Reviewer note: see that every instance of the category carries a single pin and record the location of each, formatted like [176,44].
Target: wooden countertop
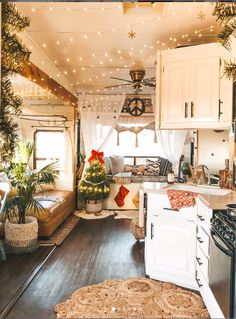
[210,200]
[217,201]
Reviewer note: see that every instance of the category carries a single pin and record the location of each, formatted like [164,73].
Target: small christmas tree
[94,184]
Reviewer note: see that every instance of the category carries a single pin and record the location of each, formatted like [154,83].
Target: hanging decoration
[201,16]
[131,34]
[136,130]
[14,56]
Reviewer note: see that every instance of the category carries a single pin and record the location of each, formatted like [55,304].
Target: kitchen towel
[179,199]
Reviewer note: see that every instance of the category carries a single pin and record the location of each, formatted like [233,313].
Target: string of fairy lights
[78,71]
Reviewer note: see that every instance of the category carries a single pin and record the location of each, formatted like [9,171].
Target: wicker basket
[123,178]
[138,232]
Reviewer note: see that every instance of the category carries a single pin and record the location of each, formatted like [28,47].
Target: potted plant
[94,186]
[21,231]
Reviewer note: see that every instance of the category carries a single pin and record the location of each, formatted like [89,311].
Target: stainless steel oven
[222,263]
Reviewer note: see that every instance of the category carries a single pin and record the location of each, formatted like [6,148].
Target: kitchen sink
[202,189]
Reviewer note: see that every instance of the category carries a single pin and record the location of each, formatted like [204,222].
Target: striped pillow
[165,166]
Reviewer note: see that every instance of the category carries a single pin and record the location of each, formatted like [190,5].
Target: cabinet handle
[199,261]
[152,227]
[201,218]
[200,240]
[192,105]
[199,282]
[220,111]
[185,110]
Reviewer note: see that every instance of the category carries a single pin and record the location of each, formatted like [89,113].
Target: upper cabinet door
[204,91]
[174,95]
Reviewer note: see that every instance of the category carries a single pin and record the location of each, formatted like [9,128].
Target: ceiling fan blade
[152,85]
[112,77]
[119,85]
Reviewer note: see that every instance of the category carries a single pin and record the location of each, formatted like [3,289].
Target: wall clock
[136,106]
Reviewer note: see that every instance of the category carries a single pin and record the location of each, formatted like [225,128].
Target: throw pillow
[107,165]
[117,164]
[165,166]
[152,167]
[119,199]
[136,170]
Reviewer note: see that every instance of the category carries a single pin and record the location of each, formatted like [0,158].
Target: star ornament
[201,16]
[131,34]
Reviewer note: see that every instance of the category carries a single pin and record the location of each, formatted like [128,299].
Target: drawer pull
[200,240]
[199,282]
[199,261]
[201,218]
[166,208]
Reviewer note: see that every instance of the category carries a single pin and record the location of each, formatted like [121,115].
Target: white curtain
[99,115]
[65,179]
[172,143]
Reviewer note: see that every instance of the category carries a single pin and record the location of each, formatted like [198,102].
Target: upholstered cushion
[107,165]
[165,166]
[136,170]
[117,164]
[152,167]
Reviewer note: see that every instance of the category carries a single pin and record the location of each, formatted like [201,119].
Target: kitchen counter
[212,201]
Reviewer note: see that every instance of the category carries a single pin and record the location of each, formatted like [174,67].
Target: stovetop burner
[225,227]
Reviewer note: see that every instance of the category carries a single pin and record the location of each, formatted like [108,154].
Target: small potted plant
[94,186]
[21,231]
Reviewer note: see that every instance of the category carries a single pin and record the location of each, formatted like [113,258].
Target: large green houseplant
[24,183]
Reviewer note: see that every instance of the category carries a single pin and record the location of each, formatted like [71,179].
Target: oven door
[220,274]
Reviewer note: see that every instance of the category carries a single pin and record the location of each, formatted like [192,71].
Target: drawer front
[204,215]
[202,263]
[156,202]
[203,240]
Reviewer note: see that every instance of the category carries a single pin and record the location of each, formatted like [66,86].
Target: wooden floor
[94,251]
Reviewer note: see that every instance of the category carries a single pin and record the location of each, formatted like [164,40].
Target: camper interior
[117,164]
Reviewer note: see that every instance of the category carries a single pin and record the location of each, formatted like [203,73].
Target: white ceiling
[89,42]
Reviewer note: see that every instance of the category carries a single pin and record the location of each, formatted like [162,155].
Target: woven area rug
[103,214]
[128,214]
[60,234]
[132,298]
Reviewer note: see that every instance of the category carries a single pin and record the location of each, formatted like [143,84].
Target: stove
[222,268]
[225,226]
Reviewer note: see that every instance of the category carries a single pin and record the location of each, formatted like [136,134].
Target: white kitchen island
[177,242]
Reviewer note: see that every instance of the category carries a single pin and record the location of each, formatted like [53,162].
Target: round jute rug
[103,214]
[132,298]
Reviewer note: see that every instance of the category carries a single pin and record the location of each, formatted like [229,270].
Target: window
[127,143]
[49,147]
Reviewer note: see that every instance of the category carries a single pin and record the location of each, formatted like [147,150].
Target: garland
[14,56]
[226,13]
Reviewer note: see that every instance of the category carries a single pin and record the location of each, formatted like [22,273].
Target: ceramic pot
[93,206]
[21,238]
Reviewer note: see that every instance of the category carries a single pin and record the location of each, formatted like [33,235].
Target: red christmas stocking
[119,199]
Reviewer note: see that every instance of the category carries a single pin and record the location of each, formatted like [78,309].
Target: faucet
[208,172]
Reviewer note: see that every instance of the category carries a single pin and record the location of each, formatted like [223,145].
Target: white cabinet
[170,243]
[192,92]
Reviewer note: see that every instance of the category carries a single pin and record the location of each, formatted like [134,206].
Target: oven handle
[227,252]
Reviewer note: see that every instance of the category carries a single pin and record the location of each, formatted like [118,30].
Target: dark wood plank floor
[94,251]
[15,271]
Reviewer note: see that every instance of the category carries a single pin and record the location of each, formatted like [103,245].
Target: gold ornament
[131,34]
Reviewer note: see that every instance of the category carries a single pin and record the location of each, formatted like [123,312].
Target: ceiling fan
[137,81]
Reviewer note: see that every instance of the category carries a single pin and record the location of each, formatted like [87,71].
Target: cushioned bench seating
[57,204]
